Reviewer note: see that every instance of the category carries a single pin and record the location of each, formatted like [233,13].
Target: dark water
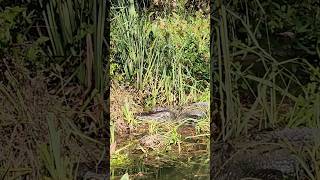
[192,172]
[165,173]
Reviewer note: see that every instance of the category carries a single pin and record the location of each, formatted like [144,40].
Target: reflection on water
[196,171]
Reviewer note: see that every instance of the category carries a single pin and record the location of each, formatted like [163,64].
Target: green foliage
[8,21]
[167,57]
[125,177]
[248,29]
[276,17]
[35,54]
[306,111]
[57,166]
[190,37]
[73,29]
[71,23]
[128,115]
[297,17]
[120,160]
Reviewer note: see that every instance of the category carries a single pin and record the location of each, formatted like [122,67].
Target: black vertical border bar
[106,94]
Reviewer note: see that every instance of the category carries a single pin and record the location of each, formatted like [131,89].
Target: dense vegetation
[159,58]
[51,88]
[266,70]
[265,74]
[274,53]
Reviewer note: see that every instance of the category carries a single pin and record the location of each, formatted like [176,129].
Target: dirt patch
[121,96]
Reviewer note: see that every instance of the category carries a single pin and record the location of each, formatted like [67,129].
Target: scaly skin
[269,159]
[194,111]
[258,163]
[266,155]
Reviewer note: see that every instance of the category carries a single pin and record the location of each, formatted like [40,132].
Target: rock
[152,141]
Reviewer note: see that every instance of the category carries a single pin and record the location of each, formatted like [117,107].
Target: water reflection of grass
[161,165]
[179,144]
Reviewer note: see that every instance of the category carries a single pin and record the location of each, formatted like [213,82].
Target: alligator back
[193,111]
[267,155]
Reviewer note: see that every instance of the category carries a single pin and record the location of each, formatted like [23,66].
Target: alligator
[270,155]
[266,155]
[194,111]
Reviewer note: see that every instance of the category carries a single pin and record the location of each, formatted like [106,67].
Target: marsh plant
[260,86]
[167,57]
[161,56]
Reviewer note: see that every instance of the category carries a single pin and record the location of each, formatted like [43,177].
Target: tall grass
[57,166]
[155,58]
[270,86]
[76,31]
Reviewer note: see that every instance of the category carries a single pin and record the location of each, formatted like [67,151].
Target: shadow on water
[192,171]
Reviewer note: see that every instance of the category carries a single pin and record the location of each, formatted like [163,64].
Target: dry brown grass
[119,96]
[24,108]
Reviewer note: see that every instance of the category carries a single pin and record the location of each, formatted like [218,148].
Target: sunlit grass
[166,59]
[128,114]
[162,60]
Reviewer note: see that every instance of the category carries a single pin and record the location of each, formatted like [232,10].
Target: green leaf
[125,177]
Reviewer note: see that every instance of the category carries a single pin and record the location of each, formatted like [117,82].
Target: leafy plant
[57,166]
[8,21]
[73,26]
[125,177]
[127,113]
[164,58]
